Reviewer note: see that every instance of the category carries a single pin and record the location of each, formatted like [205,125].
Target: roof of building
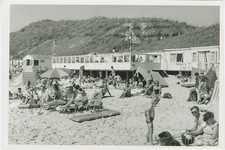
[38,56]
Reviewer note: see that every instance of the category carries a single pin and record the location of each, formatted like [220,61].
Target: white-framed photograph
[112,74]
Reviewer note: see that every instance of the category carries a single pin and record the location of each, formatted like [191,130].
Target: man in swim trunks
[149,116]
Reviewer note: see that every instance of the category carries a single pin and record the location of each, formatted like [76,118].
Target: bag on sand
[167,95]
[187,139]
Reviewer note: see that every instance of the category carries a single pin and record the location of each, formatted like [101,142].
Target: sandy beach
[129,128]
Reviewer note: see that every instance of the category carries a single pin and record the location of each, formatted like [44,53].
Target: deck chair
[96,101]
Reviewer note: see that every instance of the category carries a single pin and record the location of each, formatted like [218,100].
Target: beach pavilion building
[32,62]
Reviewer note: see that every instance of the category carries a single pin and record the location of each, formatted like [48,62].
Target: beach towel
[188,85]
[101,114]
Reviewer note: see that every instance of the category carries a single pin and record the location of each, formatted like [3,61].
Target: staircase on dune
[16,81]
[32,76]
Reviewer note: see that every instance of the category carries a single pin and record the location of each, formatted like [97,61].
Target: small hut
[32,62]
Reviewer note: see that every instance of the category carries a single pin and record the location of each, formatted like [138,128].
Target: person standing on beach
[157,90]
[113,74]
[150,116]
[196,79]
[81,73]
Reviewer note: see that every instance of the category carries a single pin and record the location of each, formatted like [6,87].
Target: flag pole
[53,48]
[130,40]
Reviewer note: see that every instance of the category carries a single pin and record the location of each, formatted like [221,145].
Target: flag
[55,44]
[131,36]
[134,38]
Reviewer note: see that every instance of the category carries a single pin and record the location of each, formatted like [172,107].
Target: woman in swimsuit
[157,89]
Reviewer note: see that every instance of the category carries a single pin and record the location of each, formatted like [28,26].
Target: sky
[23,15]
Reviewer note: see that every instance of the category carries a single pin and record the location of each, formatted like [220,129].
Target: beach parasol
[65,70]
[55,74]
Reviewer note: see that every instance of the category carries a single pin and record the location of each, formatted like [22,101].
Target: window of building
[69,59]
[173,58]
[96,59]
[91,59]
[73,59]
[126,58]
[133,58]
[114,58]
[57,60]
[54,60]
[86,59]
[65,60]
[82,59]
[194,57]
[142,58]
[156,59]
[61,60]
[36,62]
[77,60]
[120,58]
[213,56]
[42,61]
[179,57]
[176,57]
[102,59]
[28,62]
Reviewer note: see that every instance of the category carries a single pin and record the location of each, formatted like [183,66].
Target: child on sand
[149,116]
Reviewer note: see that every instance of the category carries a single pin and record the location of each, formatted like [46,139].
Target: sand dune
[129,128]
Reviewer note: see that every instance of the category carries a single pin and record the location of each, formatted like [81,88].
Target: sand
[129,128]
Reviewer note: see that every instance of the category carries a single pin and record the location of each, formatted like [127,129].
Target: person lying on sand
[210,132]
[126,91]
[150,116]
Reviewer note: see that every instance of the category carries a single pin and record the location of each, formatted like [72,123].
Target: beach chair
[96,101]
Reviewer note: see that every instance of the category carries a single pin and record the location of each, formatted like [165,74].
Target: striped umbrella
[55,74]
[65,70]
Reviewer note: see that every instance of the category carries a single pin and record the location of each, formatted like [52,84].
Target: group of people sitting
[50,94]
[205,130]
[147,90]
[201,93]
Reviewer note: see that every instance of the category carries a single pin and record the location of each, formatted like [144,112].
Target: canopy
[55,74]
[147,74]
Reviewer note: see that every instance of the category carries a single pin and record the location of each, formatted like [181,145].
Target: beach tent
[212,74]
[147,74]
[213,105]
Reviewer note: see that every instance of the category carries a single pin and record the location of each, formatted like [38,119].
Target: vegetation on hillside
[101,35]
